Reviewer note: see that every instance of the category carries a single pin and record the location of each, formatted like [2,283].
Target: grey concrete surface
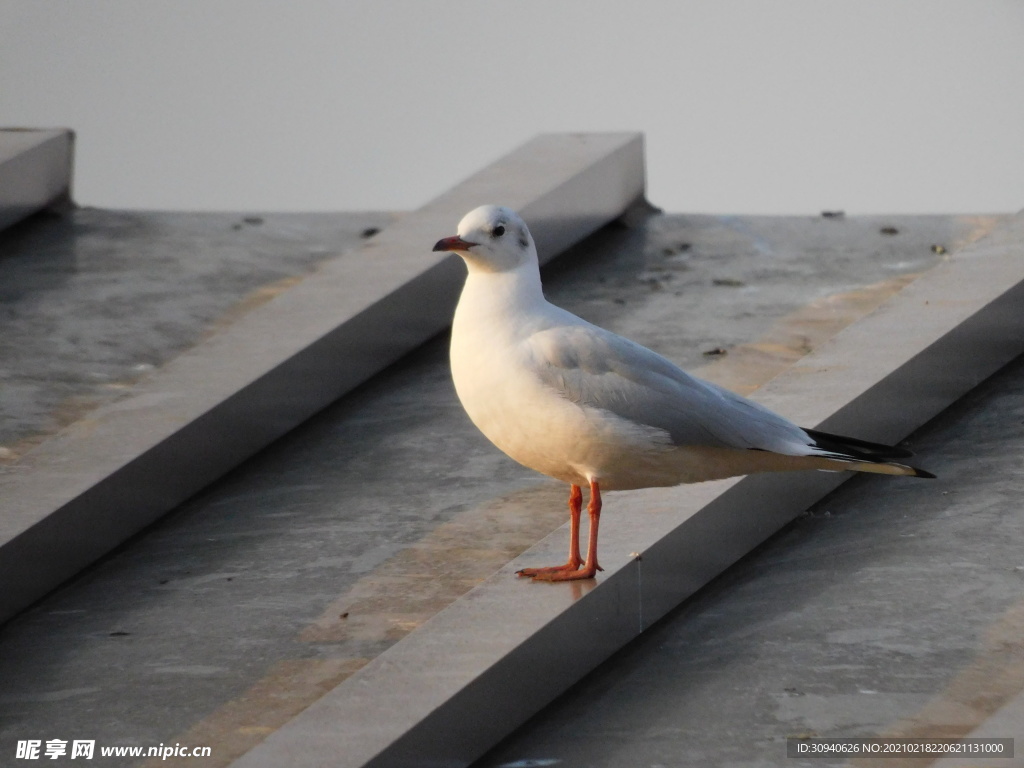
[199,628]
[1007,719]
[92,301]
[888,609]
[85,490]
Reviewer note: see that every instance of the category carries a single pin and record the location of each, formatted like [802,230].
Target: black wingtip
[861,449]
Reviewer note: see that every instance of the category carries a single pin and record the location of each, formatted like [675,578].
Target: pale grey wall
[762,107]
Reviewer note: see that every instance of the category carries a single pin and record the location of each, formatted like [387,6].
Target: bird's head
[491,238]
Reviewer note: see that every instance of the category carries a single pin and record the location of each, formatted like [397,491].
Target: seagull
[580,404]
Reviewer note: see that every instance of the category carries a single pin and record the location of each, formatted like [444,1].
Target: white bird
[580,404]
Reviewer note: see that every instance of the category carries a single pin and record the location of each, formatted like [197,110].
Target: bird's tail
[864,456]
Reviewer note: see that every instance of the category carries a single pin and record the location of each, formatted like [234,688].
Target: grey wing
[593,367]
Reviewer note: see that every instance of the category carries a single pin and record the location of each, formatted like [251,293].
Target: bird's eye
[498,231]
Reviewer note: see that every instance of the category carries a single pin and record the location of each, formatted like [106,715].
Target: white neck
[512,293]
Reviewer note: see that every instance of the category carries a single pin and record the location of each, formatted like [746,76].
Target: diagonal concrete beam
[35,171]
[92,486]
[453,688]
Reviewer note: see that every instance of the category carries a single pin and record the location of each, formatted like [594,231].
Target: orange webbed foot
[555,574]
[545,574]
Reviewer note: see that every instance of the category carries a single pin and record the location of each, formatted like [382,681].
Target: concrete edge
[452,689]
[35,171]
[92,486]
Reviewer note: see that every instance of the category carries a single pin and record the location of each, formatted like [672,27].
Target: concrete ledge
[92,486]
[35,171]
[453,688]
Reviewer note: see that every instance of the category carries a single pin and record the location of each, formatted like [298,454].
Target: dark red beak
[453,243]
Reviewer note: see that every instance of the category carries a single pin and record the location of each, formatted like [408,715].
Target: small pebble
[672,250]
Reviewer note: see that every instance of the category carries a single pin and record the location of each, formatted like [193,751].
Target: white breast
[496,381]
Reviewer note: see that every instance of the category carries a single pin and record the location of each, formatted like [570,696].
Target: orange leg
[575,560]
[590,568]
